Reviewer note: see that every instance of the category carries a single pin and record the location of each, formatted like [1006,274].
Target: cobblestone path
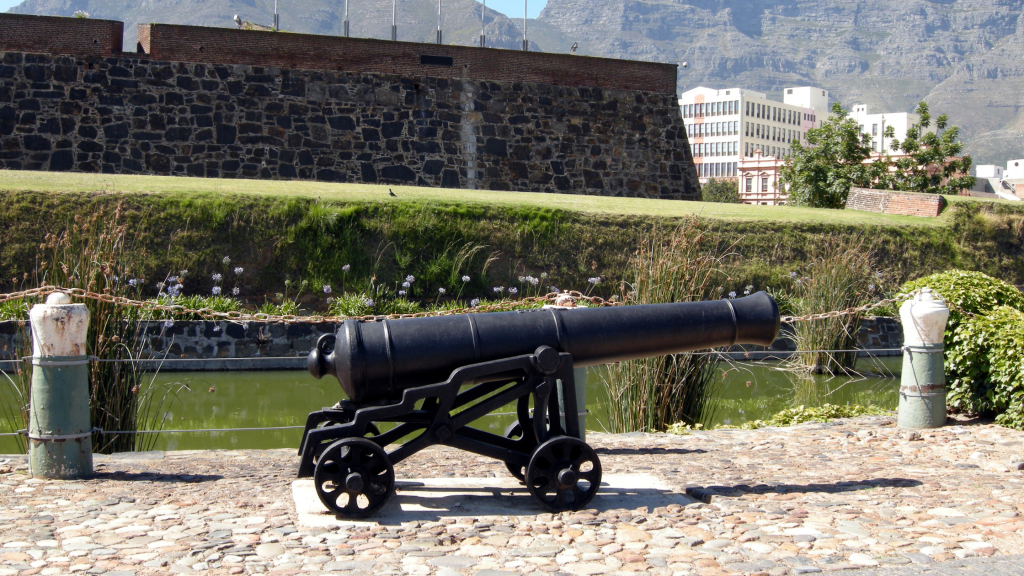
[814,498]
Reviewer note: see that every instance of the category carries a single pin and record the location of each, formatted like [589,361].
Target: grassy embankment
[280,230]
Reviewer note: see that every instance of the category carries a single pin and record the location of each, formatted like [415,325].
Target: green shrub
[794,416]
[14,310]
[987,361]
[974,344]
[725,191]
[215,303]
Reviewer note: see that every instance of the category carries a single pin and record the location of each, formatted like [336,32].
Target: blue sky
[511,8]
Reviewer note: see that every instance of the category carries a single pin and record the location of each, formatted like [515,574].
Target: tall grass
[96,253]
[674,265]
[16,378]
[838,276]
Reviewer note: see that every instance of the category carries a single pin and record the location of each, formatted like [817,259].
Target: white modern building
[875,125]
[992,181]
[732,123]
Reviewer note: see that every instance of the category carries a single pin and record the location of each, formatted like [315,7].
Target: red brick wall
[176,43]
[55,35]
[889,202]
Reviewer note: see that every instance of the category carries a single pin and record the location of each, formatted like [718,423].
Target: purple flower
[553,288]
[513,290]
[474,302]
[346,268]
[133,282]
[216,290]
[168,323]
[732,294]
[465,278]
[327,288]
[406,284]
[410,278]
[499,289]
[217,277]
[235,291]
[226,260]
[368,302]
[172,279]
[239,269]
[595,280]
[401,292]
[441,291]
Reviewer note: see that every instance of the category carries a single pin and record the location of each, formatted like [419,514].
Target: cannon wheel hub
[354,477]
[564,474]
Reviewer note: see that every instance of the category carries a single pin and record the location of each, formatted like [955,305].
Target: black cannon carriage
[432,377]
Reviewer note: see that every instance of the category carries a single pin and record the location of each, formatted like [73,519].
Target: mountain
[964,57]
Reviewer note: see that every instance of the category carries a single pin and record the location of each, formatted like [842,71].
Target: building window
[764,184]
[750,185]
[874,129]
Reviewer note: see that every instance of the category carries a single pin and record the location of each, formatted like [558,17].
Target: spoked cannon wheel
[354,477]
[564,474]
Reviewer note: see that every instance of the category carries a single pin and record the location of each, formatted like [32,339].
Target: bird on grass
[391,192]
[575,45]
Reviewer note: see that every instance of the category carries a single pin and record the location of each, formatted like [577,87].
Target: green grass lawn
[11,180]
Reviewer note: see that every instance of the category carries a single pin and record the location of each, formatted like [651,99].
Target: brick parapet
[890,202]
[173,42]
[54,35]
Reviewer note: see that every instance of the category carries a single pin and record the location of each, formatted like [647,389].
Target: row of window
[777,114]
[705,149]
[773,133]
[716,170]
[711,109]
[713,129]
[778,152]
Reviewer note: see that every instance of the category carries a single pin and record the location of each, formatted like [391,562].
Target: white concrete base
[429,499]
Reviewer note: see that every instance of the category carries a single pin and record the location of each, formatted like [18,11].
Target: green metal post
[59,432]
[923,381]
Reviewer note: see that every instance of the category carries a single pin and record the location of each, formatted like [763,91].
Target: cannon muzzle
[374,360]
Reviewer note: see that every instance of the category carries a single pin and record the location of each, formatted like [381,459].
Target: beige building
[759,180]
[727,125]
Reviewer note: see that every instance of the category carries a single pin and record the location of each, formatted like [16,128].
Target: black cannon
[430,378]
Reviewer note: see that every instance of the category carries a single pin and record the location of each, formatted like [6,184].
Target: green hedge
[983,339]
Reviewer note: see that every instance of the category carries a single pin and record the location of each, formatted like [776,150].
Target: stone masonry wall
[889,202]
[260,345]
[130,115]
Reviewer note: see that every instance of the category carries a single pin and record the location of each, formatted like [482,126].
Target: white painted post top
[59,327]
[924,319]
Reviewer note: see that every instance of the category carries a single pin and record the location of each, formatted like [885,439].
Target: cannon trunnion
[430,378]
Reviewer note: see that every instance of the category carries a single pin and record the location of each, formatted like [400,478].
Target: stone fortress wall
[240,104]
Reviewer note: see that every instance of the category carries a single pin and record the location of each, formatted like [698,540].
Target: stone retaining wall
[222,103]
[260,346]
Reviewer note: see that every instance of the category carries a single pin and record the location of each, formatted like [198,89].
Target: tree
[721,191]
[820,174]
[931,163]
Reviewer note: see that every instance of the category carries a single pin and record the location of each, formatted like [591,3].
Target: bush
[726,191]
[986,363]
[980,349]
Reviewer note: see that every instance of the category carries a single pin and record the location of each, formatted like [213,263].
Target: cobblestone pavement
[813,498]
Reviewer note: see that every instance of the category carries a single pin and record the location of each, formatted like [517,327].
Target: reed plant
[97,254]
[838,276]
[671,265]
[16,381]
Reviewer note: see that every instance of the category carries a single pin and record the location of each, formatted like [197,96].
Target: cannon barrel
[374,360]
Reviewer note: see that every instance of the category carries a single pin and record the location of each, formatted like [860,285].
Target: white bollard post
[59,433]
[923,382]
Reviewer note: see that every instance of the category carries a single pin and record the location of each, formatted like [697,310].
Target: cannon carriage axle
[393,370]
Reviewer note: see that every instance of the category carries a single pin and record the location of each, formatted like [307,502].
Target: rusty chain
[551,298]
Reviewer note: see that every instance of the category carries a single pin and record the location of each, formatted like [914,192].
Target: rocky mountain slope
[963,56]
